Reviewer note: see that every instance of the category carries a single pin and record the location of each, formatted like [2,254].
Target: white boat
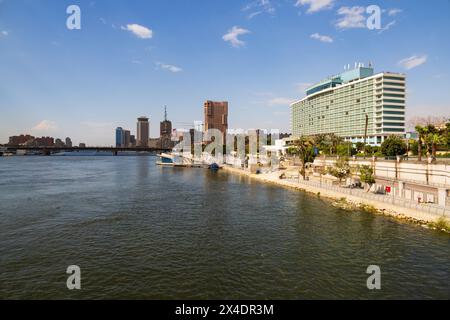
[170,160]
[7,154]
[177,160]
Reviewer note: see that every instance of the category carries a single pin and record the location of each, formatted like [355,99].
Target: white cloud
[280,101]
[139,31]
[233,34]
[254,14]
[394,12]
[387,27]
[413,62]
[169,67]
[258,7]
[45,125]
[4,33]
[322,38]
[352,17]
[315,5]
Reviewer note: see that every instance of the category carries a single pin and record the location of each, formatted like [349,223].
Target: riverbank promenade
[385,204]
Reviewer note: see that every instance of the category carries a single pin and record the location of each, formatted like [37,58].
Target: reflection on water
[142,231]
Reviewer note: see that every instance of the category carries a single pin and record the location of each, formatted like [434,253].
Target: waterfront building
[59,143]
[132,140]
[82,145]
[18,140]
[68,142]
[120,136]
[154,143]
[43,142]
[358,105]
[143,132]
[216,116]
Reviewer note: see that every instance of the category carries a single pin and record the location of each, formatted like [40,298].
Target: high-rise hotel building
[357,105]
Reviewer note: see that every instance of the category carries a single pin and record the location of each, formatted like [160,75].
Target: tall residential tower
[357,105]
[216,116]
[143,132]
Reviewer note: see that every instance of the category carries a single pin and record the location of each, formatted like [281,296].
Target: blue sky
[131,58]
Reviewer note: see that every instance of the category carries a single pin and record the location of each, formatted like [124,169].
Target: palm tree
[320,141]
[334,141]
[435,139]
[422,132]
[430,140]
[304,148]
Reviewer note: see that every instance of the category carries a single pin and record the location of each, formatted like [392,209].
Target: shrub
[393,146]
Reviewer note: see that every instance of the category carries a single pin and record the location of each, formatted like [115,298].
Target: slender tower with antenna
[165,132]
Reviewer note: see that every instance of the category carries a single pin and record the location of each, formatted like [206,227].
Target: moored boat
[167,160]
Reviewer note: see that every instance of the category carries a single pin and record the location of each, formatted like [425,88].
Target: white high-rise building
[357,105]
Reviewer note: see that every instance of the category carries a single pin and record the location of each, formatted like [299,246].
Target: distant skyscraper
[143,132]
[165,126]
[132,140]
[126,138]
[120,136]
[68,142]
[216,116]
[165,131]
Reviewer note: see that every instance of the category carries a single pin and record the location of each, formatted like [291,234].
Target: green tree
[333,142]
[321,142]
[304,148]
[367,175]
[360,146]
[448,133]
[341,170]
[421,131]
[414,147]
[433,140]
[393,146]
[346,149]
[368,149]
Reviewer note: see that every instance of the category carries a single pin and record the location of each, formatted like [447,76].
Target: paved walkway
[397,207]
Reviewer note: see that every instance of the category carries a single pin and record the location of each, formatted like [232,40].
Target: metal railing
[393,200]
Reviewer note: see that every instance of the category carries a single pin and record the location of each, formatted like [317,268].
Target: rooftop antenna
[165,113]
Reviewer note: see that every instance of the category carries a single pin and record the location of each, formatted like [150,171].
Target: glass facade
[120,137]
[343,110]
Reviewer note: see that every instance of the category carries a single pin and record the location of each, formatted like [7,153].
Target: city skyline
[258,55]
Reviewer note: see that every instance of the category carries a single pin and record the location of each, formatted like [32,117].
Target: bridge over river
[54,149]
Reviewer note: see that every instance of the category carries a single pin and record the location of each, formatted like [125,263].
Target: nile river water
[140,231]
